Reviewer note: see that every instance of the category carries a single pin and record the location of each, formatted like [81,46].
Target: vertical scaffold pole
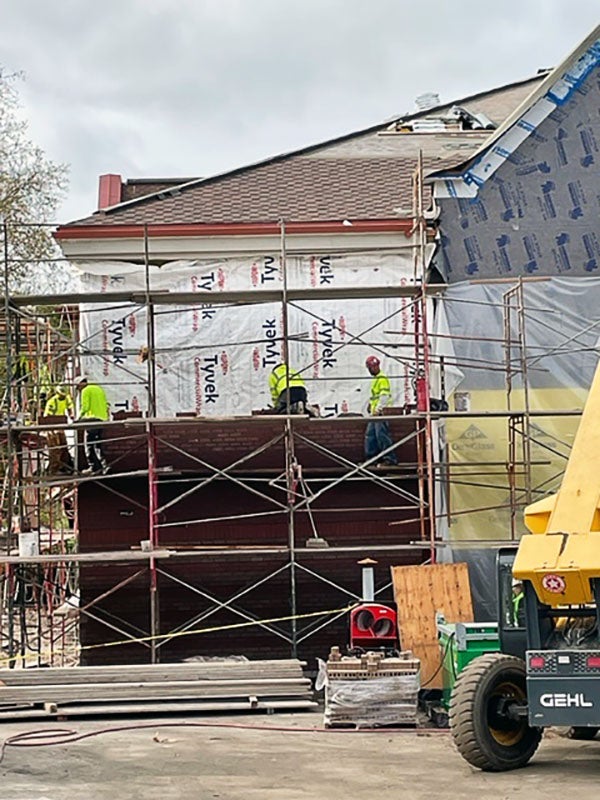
[153,536]
[150,338]
[9,494]
[290,460]
[151,443]
[422,333]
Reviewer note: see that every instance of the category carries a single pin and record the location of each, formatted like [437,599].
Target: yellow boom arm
[563,553]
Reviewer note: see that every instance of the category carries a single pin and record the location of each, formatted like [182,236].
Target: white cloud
[190,87]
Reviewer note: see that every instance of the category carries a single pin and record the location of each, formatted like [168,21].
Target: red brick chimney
[109,191]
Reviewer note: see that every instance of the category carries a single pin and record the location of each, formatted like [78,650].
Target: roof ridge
[303,150]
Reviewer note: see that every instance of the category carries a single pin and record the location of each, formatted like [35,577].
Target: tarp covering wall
[215,360]
[562,329]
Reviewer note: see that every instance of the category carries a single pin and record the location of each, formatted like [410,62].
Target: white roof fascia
[167,248]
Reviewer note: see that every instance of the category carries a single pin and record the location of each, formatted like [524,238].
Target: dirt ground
[259,761]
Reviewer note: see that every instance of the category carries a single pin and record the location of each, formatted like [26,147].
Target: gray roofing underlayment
[529,202]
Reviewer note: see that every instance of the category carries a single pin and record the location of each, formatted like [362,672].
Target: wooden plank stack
[371,691]
[420,592]
[195,686]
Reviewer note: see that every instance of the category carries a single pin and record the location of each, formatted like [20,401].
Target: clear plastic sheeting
[482,578]
[562,330]
[561,318]
[390,700]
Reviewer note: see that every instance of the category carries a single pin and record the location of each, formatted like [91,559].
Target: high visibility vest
[59,406]
[517,600]
[93,402]
[282,378]
[381,393]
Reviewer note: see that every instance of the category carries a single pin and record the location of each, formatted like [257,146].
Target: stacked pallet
[371,691]
[210,686]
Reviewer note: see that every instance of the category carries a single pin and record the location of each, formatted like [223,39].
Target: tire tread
[462,713]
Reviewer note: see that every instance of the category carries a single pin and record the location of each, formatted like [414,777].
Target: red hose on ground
[46,737]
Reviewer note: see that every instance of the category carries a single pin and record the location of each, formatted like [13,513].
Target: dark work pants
[93,448]
[379,438]
[288,400]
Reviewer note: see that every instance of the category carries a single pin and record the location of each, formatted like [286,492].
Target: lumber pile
[371,691]
[197,686]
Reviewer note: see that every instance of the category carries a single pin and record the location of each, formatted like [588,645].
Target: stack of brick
[371,691]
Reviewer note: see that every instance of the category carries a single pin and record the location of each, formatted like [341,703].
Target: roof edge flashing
[554,92]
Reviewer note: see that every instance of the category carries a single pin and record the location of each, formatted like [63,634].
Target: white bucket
[29,544]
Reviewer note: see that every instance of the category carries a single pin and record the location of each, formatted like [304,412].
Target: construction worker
[288,391]
[377,436]
[93,408]
[517,603]
[60,404]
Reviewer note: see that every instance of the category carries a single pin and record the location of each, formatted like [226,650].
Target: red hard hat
[372,361]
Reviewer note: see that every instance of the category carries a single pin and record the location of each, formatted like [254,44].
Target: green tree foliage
[31,188]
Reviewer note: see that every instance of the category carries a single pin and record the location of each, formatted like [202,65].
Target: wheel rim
[506,731]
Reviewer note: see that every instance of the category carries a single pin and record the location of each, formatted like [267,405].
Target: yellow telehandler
[548,670]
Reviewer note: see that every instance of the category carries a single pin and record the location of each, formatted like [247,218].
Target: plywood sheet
[420,592]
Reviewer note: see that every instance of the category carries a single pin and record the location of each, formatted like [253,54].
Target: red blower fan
[373,627]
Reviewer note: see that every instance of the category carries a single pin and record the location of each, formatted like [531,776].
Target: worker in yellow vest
[518,596]
[377,436]
[93,408]
[59,404]
[288,392]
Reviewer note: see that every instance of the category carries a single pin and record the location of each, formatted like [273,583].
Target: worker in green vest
[288,392]
[93,408]
[518,596]
[59,404]
[378,436]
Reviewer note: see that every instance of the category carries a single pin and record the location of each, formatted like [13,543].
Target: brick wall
[353,513]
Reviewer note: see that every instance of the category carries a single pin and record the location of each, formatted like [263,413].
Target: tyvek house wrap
[216,360]
[529,203]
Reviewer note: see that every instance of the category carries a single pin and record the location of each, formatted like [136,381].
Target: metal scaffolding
[39,619]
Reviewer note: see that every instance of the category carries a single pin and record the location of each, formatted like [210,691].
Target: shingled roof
[363,175]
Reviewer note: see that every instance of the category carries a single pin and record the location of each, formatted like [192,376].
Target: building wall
[354,513]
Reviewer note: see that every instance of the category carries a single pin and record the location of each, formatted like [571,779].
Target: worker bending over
[377,436]
[93,408]
[60,404]
[288,392]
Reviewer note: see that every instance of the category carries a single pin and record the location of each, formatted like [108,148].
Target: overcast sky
[154,88]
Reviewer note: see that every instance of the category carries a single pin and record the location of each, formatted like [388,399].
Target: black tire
[485,738]
[582,733]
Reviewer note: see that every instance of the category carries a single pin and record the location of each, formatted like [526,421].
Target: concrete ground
[203,763]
